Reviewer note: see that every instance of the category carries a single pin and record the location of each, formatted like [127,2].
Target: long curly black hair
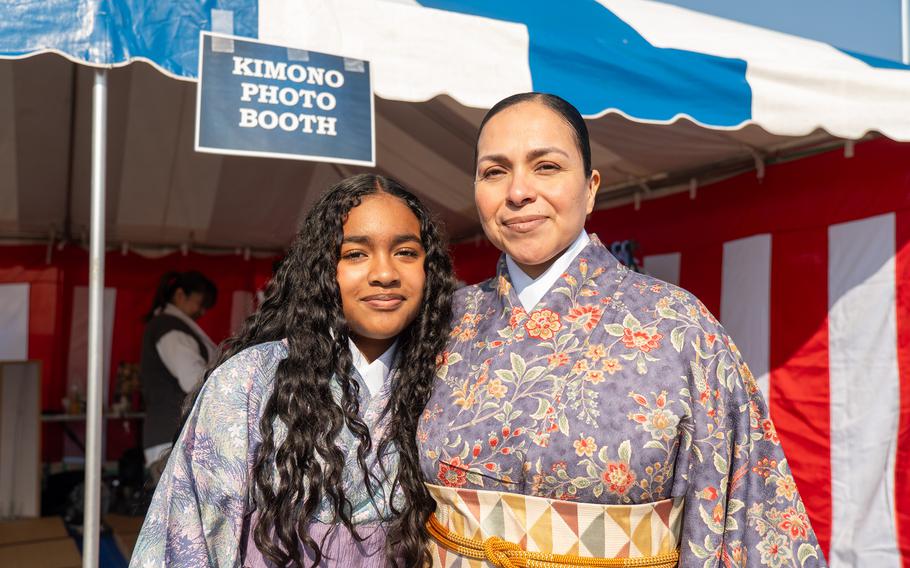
[303,305]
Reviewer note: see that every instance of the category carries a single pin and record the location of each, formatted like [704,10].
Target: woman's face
[192,304]
[380,272]
[531,190]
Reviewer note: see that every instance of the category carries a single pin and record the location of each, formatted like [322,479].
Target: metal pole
[905,31]
[91,523]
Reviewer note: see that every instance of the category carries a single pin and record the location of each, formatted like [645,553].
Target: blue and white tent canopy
[671,94]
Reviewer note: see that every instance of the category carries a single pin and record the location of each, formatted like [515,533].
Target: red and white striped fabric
[834,388]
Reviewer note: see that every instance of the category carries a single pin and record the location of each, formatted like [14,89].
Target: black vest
[160,389]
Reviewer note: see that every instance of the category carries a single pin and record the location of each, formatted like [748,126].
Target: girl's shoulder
[249,373]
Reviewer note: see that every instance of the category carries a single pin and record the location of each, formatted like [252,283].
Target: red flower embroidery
[586,316]
[543,324]
[451,474]
[770,431]
[618,477]
[518,314]
[794,523]
[641,339]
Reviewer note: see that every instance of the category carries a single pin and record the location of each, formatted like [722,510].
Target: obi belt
[485,529]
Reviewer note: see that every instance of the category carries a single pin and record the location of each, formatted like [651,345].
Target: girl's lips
[524,224]
[384,301]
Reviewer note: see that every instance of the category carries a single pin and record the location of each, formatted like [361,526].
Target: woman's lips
[524,224]
[383,301]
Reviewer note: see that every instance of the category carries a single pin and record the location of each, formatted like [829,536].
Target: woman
[175,355]
[300,447]
[584,409]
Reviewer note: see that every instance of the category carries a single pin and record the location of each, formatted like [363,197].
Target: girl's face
[531,190]
[380,272]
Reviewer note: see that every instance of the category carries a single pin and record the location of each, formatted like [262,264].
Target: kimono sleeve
[742,508]
[196,515]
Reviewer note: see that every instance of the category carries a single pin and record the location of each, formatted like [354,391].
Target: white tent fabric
[677,99]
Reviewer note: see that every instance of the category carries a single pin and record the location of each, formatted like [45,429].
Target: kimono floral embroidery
[615,389]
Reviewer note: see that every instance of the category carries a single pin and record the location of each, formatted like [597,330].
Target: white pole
[905,31]
[91,523]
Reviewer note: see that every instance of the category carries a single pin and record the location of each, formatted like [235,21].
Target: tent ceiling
[161,192]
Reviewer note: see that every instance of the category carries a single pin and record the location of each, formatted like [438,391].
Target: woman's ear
[593,186]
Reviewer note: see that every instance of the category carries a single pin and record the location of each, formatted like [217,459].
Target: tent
[677,100]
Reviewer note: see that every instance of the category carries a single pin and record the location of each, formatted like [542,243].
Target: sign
[257,99]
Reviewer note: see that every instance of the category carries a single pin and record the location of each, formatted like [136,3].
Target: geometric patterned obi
[538,524]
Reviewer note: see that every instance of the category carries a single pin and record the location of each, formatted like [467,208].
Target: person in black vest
[175,355]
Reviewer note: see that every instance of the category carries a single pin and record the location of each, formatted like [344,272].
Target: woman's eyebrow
[538,152]
[356,239]
[501,158]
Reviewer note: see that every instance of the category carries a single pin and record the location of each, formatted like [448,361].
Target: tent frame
[91,523]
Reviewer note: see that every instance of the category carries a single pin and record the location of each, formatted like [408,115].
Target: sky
[871,27]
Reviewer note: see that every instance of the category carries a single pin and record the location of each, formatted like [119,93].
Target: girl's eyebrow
[366,240]
[409,238]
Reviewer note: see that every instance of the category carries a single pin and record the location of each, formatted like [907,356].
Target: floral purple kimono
[616,389]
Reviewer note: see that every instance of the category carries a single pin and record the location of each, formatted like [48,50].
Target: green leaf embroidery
[615,329]
[720,464]
[677,337]
[625,451]
[641,367]
[563,290]
[518,364]
[505,375]
[534,373]
[564,424]
[698,551]
[581,482]
[542,406]
[805,552]
[630,322]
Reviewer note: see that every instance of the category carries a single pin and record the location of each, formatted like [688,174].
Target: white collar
[172,310]
[531,290]
[376,373]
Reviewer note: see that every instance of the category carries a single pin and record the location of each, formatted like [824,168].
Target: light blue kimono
[202,511]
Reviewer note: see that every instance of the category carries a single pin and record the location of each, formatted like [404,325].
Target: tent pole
[905,31]
[91,524]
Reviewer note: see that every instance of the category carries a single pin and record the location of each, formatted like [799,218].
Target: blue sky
[872,27]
